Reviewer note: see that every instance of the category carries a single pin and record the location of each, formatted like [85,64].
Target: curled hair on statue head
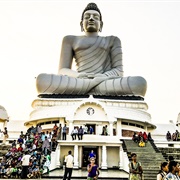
[92,6]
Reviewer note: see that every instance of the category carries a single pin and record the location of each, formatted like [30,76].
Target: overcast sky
[31,33]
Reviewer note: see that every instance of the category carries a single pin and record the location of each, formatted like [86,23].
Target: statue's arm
[66,57]
[116,57]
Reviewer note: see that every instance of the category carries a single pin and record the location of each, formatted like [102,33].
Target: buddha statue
[98,61]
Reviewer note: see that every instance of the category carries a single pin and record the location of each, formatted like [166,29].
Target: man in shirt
[69,166]
[64,131]
[25,165]
[92,154]
[45,146]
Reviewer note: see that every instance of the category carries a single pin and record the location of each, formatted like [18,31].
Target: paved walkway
[112,174]
[82,175]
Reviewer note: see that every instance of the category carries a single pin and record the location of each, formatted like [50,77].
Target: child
[163,172]
[48,162]
[36,172]
[93,170]
[141,143]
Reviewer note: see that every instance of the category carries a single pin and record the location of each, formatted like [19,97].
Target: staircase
[4,149]
[149,157]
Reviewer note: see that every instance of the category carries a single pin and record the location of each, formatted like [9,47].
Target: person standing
[92,155]
[25,164]
[91,130]
[85,129]
[106,130]
[5,133]
[163,172]
[168,136]
[93,170]
[39,129]
[173,171]
[80,133]
[149,137]
[48,161]
[135,168]
[74,133]
[64,131]
[59,132]
[45,146]
[55,129]
[69,160]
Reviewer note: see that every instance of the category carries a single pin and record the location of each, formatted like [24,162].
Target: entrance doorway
[86,151]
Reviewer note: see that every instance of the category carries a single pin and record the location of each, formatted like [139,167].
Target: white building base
[122,118]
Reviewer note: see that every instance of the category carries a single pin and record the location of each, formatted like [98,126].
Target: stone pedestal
[117,114]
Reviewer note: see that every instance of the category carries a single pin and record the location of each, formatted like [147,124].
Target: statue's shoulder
[70,38]
[113,40]
[113,37]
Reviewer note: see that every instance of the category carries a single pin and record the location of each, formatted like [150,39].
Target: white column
[61,121]
[5,124]
[119,129]
[104,157]
[120,157]
[58,152]
[111,128]
[145,127]
[76,163]
[70,126]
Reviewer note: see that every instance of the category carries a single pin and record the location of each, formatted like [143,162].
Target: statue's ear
[101,26]
[81,24]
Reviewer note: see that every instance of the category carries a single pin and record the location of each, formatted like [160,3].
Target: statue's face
[91,21]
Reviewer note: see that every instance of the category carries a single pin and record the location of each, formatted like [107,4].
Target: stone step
[153,156]
[148,157]
[150,168]
[143,159]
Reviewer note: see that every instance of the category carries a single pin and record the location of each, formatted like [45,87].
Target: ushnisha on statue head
[91,19]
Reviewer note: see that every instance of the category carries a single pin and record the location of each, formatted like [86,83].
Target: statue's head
[91,6]
[91,19]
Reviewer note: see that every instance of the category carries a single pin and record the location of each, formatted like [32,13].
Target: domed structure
[3,113]
[3,117]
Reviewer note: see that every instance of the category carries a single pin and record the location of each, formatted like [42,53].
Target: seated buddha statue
[99,66]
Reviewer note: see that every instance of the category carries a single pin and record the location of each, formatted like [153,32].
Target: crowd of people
[29,155]
[77,132]
[169,170]
[80,131]
[141,138]
[175,136]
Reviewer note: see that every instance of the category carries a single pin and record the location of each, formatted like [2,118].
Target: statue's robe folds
[103,57]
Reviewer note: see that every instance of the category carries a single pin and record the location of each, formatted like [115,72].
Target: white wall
[64,152]
[112,156]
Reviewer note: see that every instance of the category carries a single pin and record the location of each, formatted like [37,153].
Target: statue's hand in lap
[84,75]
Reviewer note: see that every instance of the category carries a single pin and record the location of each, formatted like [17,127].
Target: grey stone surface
[98,61]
